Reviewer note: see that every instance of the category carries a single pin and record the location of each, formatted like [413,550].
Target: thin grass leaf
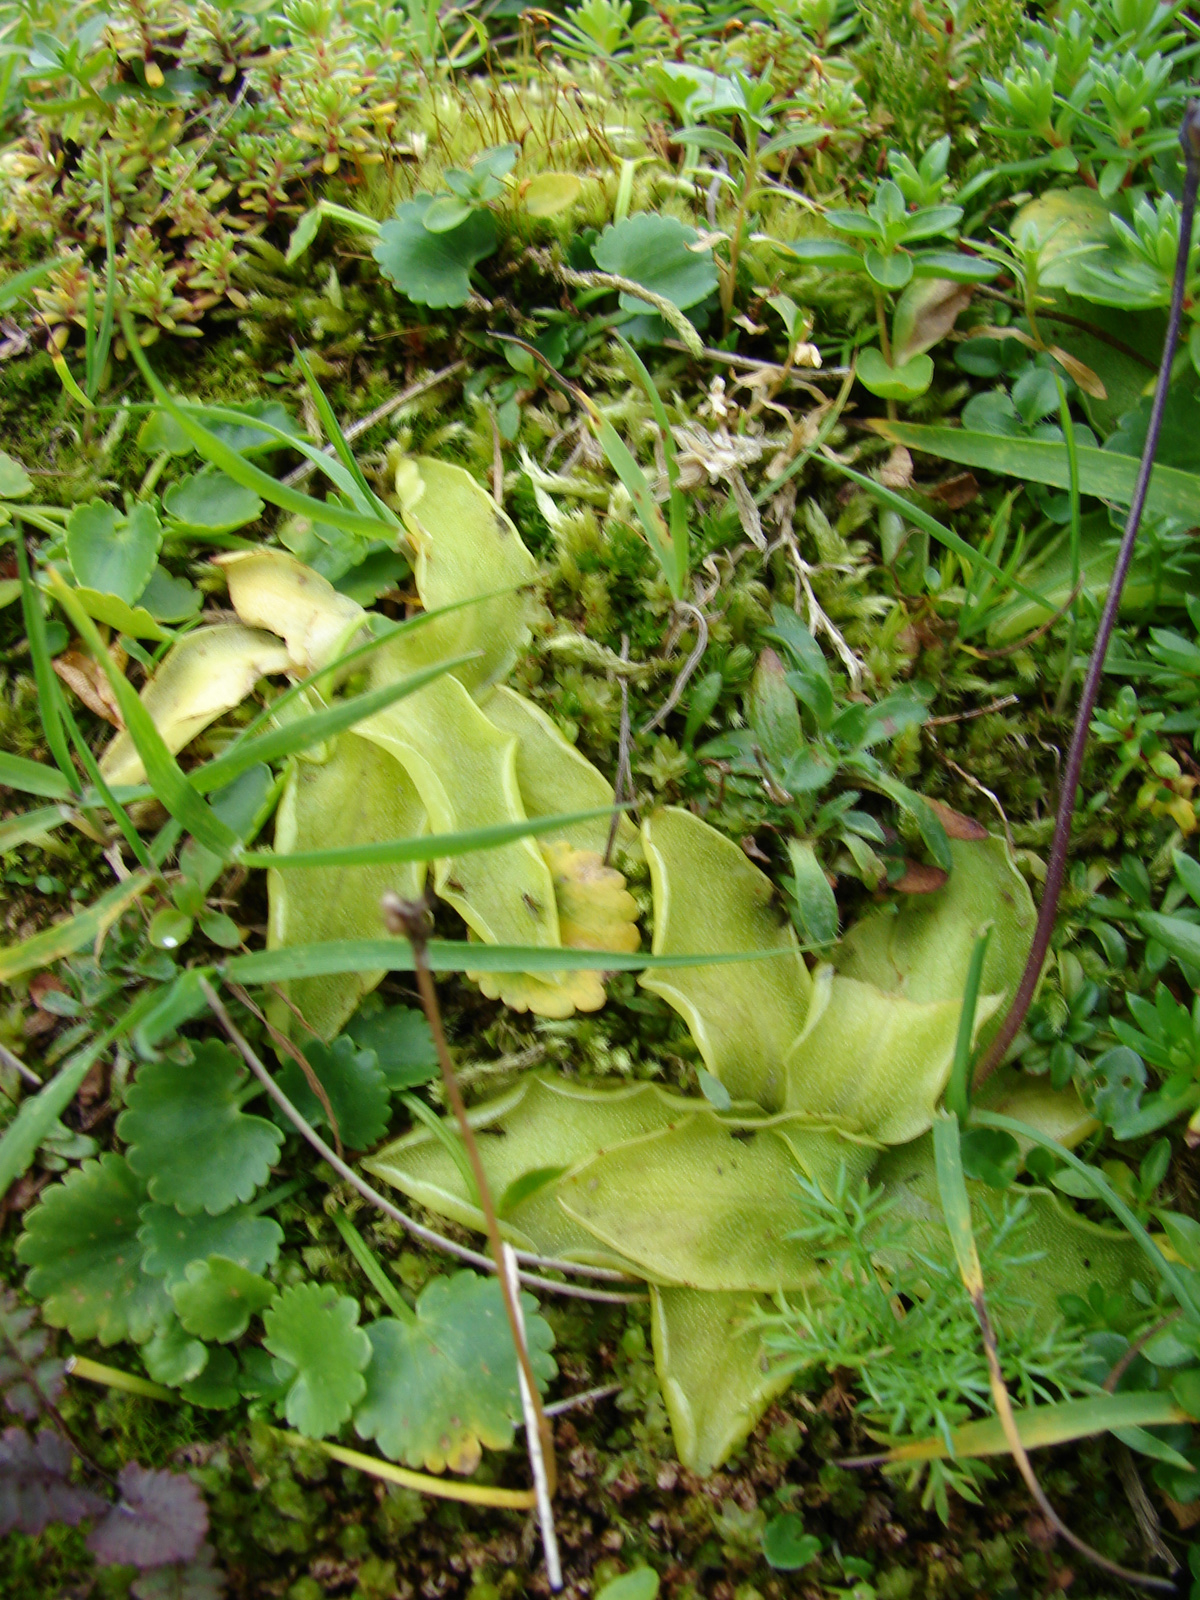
[1102,473]
[1041,1426]
[32,825]
[38,1114]
[43,672]
[958,1090]
[13,290]
[114,807]
[164,773]
[244,472]
[956,1204]
[64,938]
[387,1291]
[100,344]
[1172,1275]
[450,1140]
[33,777]
[621,460]
[450,955]
[944,535]
[333,432]
[307,731]
[350,657]
[678,506]
[429,847]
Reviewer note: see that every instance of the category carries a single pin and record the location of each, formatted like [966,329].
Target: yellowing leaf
[202,677]
[270,589]
[551,192]
[708,897]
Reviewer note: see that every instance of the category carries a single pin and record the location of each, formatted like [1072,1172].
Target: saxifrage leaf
[432,269]
[316,1330]
[403,1044]
[160,1517]
[111,552]
[82,1245]
[652,249]
[443,1386]
[182,1580]
[190,1139]
[171,1241]
[358,1094]
[217,1298]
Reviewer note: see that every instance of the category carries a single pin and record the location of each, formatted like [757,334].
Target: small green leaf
[134,621]
[316,1330]
[216,1389]
[713,1090]
[351,1078]
[433,269]
[441,1387]
[217,1298]
[173,1357]
[210,502]
[446,212]
[904,382]
[652,249]
[169,929]
[82,1246]
[303,234]
[816,907]
[403,1044]
[190,1139]
[171,1241]
[889,271]
[640,1584]
[1186,1390]
[550,193]
[786,1545]
[222,930]
[15,482]
[112,553]
[991,1156]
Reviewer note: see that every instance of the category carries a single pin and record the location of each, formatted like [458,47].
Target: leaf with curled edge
[444,1385]
[34,1488]
[217,1298]
[316,1330]
[161,1517]
[81,1244]
[188,1136]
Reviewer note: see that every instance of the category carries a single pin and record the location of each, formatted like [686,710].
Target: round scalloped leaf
[173,1357]
[403,1044]
[358,1093]
[433,269]
[82,1245]
[172,1241]
[182,1580]
[113,553]
[217,1299]
[316,1330]
[653,250]
[160,1517]
[189,1137]
[443,1386]
[209,502]
[15,482]
[34,1484]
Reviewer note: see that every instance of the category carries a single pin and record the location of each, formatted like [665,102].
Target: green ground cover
[424,423]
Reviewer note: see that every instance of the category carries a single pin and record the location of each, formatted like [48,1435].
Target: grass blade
[1041,1426]
[33,777]
[958,1091]
[64,938]
[43,672]
[32,824]
[333,432]
[13,290]
[164,773]
[1103,473]
[451,955]
[307,731]
[244,472]
[429,847]
[938,530]
[678,501]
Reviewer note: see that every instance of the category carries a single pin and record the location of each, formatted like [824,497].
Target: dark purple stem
[1189,137]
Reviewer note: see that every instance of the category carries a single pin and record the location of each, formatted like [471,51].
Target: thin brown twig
[1030,638]
[418,1230]
[411,918]
[282,1042]
[1072,322]
[685,672]
[1121,1366]
[1004,701]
